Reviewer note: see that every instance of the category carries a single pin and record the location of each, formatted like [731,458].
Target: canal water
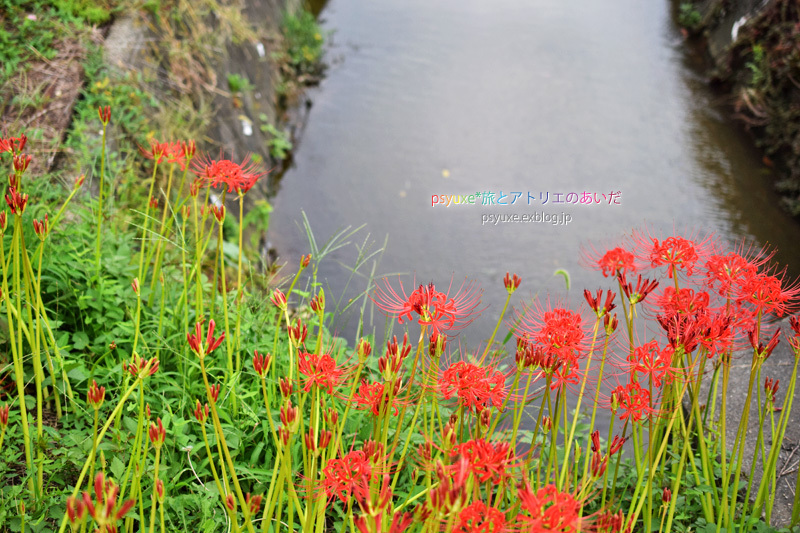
[531,104]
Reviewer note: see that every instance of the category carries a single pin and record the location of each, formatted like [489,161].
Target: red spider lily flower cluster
[432,308]
[478,517]
[632,401]
[16,201]
[677,253]
[298,333]
[171,152]
[211,343]
[375,398]
[157,434]
[559,331]
[653,362]
[636,294]
[141,367]
[239,177]
[600,309]
[548,509]
[20,163]
[347,476]
[261,363]
[320,370]
[103,509]
[372,511]
[614,262]
[13,145]
[487,462]
[476,387]
[96,395]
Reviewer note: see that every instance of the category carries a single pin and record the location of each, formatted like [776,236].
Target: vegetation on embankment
[757,56]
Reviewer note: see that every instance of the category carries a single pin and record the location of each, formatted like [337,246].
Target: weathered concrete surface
[778,366]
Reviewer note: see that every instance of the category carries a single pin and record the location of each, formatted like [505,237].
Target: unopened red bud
[666,495]
[201,413]
[511,282]
[325,438]
[80,180]
[261,363]
[160,491]
[253,503]
[278,299]
[547,424]
[157,434]
[214,392]
[4,416]
[286,387]
[135,285]
[104,113]
[305,261]
[153,203]
[230,503]
[21,163]
[218,212]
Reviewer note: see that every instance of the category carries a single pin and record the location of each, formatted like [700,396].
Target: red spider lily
[219,213]
[298,333]
[41,227]
[13,145]
[157,434]
[230,503]
[16,201]
[683,331]
[643,288]
[391,362]
[76,512]
[211,343]
[399,524]
[766,294]
[373,397]
[547,509]
[480,518]
[141,367]
[676,253]
[104,113]
[21,163]
[261,363]
[511,283]
[653,362]
[160,491]
[594,302]
[235,176]
[433,308]
[4,416]
[632,400]
[320,370]
[771,388]
[96,395]
[727,272]
[476,387]
[609,522]
[559,331]
[363,349]
[487,461]
[201,412]
[612,262]
[156,152]
[347,476]
[794,323]
[684,301]
[761,350]
[598,465]
[616,445]
[285,386]
[214,392]
[104,509]
[278,299]
[666,495]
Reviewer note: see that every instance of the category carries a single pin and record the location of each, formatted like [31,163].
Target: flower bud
[511,283]
[364,349]
[279,299]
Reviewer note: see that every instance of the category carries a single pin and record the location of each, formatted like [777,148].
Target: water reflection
[460,97]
